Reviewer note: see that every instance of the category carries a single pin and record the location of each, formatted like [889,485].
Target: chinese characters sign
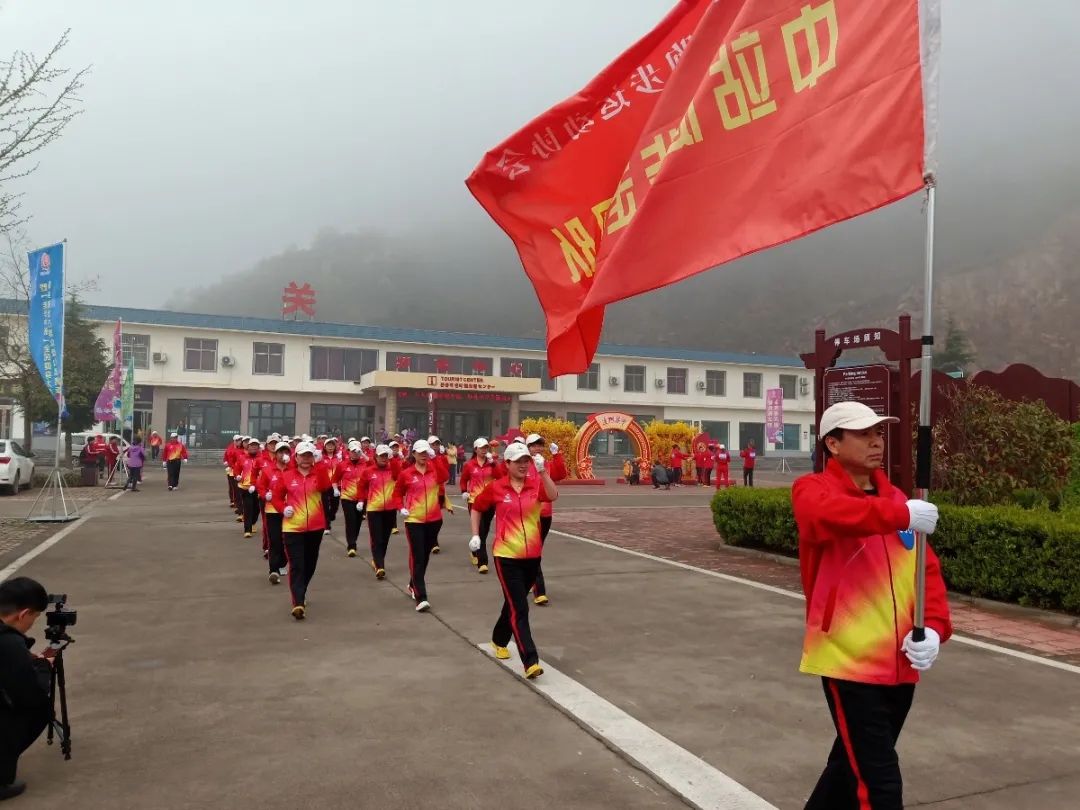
[455,396]
[774,416]
[47,315]
[297,299]
[866,384]
[745,112]
[461,382]
[108,404]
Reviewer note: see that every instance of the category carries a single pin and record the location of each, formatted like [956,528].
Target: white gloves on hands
[269,497]
[538,461]
[337,492]
[164,464]
[185,461]
[289,512]
[554,448]
[924,516]
[251,489]
[489,457]
[922,654]
[465,497]
[360,507]
[442,450]
[431,453]
[474,544]
[404,512]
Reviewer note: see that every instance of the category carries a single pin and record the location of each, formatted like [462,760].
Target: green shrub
[1031,499]
[1071,494]
[72,478]
[1031,557]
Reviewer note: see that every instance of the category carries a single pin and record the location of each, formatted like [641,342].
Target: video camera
[57,621]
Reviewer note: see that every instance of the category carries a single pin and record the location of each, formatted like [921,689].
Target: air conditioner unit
[658,383]
[228,362]
[700,385]
[160,358]
[612,380]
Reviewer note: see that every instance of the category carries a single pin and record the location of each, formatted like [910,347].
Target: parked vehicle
[16,467]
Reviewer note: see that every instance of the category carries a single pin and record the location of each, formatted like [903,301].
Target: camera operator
[25,706]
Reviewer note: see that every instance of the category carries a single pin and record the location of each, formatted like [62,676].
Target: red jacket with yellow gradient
[858,575]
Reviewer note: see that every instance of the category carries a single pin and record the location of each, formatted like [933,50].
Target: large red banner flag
[731,127]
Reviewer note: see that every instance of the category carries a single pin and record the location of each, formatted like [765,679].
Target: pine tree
[957,354]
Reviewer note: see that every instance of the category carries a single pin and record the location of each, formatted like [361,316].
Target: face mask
[284,458]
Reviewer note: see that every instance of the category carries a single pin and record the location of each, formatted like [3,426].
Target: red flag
[730,128]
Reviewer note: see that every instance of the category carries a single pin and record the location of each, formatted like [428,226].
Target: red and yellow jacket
[419,493]
[304,494]
[174,451]
[476,475]
[557,470]
[517,516]
[248,472]
[228,459]
[858,575]
[269,477]
[349,474]
[377,488]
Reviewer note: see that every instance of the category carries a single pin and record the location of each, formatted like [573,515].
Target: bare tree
[37,102]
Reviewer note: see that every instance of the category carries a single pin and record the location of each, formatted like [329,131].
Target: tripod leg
[65,725]
[52,709]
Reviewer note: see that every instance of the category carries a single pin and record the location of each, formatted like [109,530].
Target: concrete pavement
[191,686]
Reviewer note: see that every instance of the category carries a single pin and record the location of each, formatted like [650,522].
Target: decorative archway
[609,420]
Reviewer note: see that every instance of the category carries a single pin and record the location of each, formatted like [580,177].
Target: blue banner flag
[47,315]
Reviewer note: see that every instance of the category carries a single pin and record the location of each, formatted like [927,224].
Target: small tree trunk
[28,432]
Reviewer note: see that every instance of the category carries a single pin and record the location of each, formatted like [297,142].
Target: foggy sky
[219,133]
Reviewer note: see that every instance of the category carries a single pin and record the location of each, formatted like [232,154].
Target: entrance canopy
[466,383]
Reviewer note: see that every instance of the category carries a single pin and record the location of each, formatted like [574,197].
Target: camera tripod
[59,728]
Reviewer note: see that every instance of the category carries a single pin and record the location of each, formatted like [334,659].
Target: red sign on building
[297,299]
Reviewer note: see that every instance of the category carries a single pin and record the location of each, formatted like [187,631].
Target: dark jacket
[24,678]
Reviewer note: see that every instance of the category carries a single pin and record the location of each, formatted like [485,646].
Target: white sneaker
[423,607]
[275,577]
[326,532]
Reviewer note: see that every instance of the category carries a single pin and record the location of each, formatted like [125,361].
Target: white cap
[304,447]
[534,438]
[851,416]
[330,439]
[174,435]
[516,451]
[722,447]
[432,439]
[481,442]
[254,441]
[305,438]
[365,438]
[382,450]
[354,446]
[394,444]
[237,436]
[282,446]
[420,446]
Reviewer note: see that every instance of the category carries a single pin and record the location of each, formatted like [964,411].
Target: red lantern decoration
[479,367]
[442,365]
[516,369]
[403,363]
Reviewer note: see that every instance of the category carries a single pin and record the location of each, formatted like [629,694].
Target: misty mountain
[1013,304]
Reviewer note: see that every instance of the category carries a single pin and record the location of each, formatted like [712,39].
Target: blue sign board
[47,315]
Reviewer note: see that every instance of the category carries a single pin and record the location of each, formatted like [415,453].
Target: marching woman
[174,455]
[397,463]
[517,547]
[478,472]
[376,498]
[535,442]
[247,476]
[417,489]
[350,472]
[326,459]
[269,479]
[298,496]
[440,460]
[229,460]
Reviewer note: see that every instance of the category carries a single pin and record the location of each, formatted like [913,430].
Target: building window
[268,358]
[137,346]
[676,380]
[265,418]
[203,424]
[751,385]
[718,431]
[634,379]
[200,354]
[332,363]
[716,383]
[346,421]
[789,383]
[792,434]
[589,380]
[528,369]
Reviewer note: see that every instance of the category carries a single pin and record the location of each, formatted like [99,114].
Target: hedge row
[1030,557]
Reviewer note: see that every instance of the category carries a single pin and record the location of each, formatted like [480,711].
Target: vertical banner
[109,406]
[128,406]
[774,416]
[46,314]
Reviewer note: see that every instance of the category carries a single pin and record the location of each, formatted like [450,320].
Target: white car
[16,467]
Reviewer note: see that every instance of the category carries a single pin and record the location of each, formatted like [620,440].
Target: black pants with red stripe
[545,527]
[863,771]
[486,519]
[517,578]
[379,525]
[423,537]
[302,553]
[354,519]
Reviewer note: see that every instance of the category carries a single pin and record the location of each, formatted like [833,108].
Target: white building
[218,375]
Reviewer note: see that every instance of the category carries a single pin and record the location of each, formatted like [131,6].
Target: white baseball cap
[365,438]
[516,451]
[722,447]
[237,436]
[354,446]
[534,438]
[382,450]
[432,439]
[174,435]
[305,447]
[394,444]
[420,446]
[481,442]
[254,441]
[851,416]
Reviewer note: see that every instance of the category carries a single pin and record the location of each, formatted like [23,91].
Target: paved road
[192,687]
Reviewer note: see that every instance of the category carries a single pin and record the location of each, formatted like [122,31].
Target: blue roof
[163,317]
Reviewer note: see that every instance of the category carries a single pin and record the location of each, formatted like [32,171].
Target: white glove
[251,489]
[465,497]
[289,512]
[554,448]
[442,450]
[489,457]
[474,544]
[924,516]
[185,461]
[337,492]
[431,453]
[404,512]
[164,464]
[360,507]
[538,460]
[269,497]
[922,654]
